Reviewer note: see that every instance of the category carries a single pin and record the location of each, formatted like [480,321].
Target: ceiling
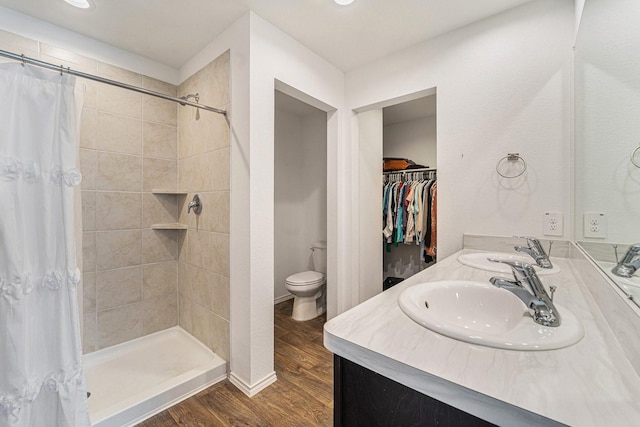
[172,31]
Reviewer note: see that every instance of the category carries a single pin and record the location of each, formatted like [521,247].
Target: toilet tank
[319,256]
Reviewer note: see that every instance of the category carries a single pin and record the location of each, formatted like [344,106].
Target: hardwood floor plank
[302,396]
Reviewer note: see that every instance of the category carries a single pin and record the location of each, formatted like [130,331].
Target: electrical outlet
[552,225]
[595,225]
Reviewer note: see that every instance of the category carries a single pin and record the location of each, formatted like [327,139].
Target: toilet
[308,287]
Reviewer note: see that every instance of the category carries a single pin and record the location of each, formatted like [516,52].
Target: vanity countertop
[590,383]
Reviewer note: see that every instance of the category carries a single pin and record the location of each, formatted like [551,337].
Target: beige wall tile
[118,249]
[115,288]
[220,253]
[160,280]
[90,93]
[186,169]
[220,295]
[201,175]
[119,74]
[119,172]
[159,246]
[183,246]
[201,284]
[219,133]
[89,293]
[161,111]
[184,281]
[88,210]
[88,168]
[160,141]
[88,252]
[159,209]
[89,128]
[190,218]
[185,314]
[218,336]
[218,169]
[116,100]
[119,134]
[119,325]
[159,86]
[185,141]
[199,249]
[159,173]
[89,332]
[118,211]
[159,313]
[200,323]
[216,216]
[18,44]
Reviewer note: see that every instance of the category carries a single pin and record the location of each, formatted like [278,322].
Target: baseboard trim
[256,388]
[283,299]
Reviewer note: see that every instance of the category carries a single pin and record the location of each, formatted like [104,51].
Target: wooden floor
[302,396]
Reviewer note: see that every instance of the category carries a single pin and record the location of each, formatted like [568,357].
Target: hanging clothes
[408,209]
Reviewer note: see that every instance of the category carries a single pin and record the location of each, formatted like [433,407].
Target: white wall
[369,199]
[300,188]
[276,57]
[413,139]
[504,85]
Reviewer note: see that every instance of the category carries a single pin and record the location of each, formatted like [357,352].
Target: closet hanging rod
[412,170]
[62,69]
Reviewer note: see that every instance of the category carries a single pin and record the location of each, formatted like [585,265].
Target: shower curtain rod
[62,69]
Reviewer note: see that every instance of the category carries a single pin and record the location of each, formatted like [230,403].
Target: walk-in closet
[409,188]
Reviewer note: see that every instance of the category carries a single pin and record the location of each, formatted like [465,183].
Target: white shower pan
[135,380]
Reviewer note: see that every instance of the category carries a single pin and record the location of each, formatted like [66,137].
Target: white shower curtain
[41,378]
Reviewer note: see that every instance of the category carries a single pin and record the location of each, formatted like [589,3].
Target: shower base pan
[135,380]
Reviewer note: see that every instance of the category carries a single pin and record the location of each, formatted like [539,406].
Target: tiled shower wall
[203,153]
[129,146]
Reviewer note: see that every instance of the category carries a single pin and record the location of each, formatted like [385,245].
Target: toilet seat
[305,278]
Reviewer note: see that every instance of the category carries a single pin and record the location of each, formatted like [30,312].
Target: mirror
[607,126]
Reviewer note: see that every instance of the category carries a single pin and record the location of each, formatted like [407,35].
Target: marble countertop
[590,383]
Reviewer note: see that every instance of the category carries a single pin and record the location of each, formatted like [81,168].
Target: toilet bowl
[308,287]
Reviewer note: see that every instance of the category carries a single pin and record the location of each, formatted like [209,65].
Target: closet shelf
[169,226]
[164,191]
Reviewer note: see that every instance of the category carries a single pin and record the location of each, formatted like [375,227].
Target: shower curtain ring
[23,60]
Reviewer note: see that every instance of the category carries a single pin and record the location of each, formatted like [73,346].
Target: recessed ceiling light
[343,2]
[82,4]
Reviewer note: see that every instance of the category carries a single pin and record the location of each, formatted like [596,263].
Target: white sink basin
[480,260]
[480,313]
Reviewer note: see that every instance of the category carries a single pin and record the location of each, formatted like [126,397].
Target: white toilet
[308,287]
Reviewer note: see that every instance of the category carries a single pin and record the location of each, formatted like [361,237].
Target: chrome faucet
[534,248]
[630,263]
[539,303]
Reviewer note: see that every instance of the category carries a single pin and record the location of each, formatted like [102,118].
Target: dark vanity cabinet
[365,398]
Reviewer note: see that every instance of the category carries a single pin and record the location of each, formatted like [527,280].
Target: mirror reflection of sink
[480,313]
[480,261]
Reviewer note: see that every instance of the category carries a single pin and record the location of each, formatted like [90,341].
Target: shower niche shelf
[163,191]
[170,225]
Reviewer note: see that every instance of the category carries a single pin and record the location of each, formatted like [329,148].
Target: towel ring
[512,157]
[633,157]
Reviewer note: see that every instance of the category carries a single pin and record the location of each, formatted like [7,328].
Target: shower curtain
[41,378]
